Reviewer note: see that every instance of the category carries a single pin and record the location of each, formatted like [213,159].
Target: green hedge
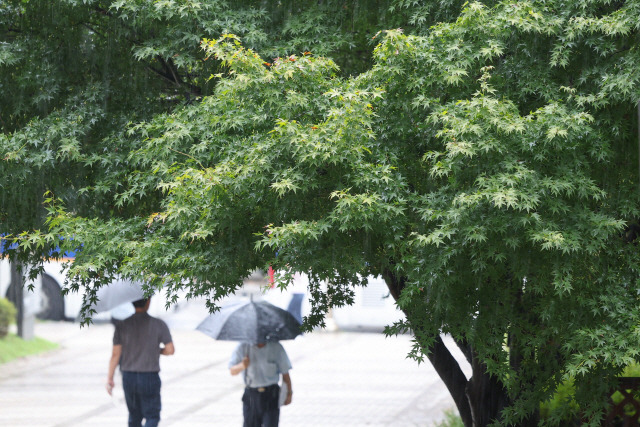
[7,316]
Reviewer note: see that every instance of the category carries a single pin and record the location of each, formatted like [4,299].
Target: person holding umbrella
[258,326]
[262,365]
[137,348]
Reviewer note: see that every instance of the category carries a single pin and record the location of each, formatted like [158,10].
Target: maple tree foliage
[483,159]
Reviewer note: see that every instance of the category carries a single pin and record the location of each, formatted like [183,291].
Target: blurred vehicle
[47,302]
[46,299]
[373,308]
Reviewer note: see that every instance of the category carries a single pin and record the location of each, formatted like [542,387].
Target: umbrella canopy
[251,321]
[116,293]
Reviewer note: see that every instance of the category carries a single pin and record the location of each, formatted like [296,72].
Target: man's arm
[168,349]
[286,378]
[116,352]
[239,367]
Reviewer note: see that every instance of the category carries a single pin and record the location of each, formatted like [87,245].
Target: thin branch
[161,74]
[195,90]
[172,67]
[188,155]
[166,66]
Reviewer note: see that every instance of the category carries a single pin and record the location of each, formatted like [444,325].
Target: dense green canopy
[483,159]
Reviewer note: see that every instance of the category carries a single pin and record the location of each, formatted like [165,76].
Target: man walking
[137,348]
[262,365]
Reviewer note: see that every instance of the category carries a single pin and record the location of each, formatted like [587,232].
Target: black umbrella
[251,321]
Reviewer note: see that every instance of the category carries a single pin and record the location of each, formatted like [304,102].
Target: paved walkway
[339,379]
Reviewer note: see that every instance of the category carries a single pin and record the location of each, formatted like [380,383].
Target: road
[339,379]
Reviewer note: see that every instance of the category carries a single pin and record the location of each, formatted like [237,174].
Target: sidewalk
[339,379]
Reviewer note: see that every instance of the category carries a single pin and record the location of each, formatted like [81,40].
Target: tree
[485,166]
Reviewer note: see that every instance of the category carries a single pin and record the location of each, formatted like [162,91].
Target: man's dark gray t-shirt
[140,336]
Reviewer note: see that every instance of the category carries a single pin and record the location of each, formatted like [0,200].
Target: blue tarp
[52,252]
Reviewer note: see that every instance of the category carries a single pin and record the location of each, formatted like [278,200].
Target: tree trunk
[480,399]
[17,297]
[487,396]
[453,378]
[516,357]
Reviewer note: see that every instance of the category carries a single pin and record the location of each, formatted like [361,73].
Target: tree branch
[170,74]
[161,74]
[465,348]
[169,70]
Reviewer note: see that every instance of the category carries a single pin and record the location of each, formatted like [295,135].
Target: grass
[451,419]
[13,347]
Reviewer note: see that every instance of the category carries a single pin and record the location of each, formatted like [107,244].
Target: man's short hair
[140,303]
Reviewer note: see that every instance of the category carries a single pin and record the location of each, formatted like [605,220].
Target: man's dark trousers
[142,394]
[260,406]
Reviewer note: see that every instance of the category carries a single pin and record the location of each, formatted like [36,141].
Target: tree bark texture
[487,396]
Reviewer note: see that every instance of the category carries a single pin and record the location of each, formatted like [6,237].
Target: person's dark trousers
[260,408]
[142,394]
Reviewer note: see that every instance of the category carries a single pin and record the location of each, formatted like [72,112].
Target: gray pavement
[339,379]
